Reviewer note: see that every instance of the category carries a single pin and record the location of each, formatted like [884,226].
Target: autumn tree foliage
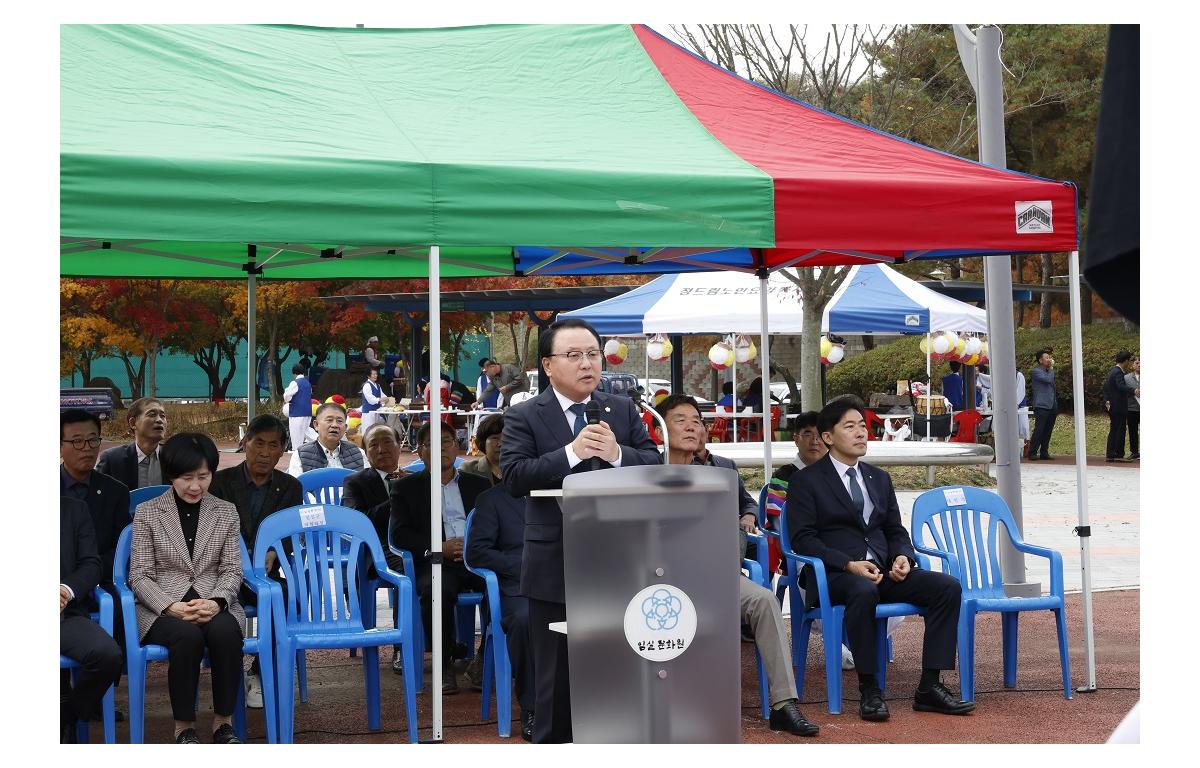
[211,327]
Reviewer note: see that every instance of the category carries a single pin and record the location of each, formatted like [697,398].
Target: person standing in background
[1133,379]
[1044,404]
[297,401]
[1116,402]
[483,384]
[372,397]
[952,386]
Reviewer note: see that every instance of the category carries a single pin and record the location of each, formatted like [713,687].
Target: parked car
[97,400]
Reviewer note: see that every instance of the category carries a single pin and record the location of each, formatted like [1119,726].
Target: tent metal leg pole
[435,484]
[733,403]
[251,349]
[928,390]
[766,376]
[1084,530]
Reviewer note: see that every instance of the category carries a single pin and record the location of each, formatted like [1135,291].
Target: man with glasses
[409,528]
[544,440]
[107,499]
[136,465]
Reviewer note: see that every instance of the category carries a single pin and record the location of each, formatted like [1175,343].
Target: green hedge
[878,369]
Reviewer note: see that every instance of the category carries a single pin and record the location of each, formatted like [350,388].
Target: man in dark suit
[497,543]
[1116,402]
[544,440]
[844,511]
[368,491]
[409,528]
[258,490]
[136,465]
[107,499]
[80,638]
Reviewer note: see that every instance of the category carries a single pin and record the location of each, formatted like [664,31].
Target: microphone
[592,414]
[636,395]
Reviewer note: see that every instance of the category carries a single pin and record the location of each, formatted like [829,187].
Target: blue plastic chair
[964,537]
[324,485]
[108,709]
[497,667]
[832,624]
[317,615]
[138,656]
[416,465]
[139,495]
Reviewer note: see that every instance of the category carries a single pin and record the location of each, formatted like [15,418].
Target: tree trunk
[810,357]
[868,343]
[1085,304]
[136,378]
[153,370]
[1047,270]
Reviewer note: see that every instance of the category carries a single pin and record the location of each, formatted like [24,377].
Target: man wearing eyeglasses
[107,499]
[544,440]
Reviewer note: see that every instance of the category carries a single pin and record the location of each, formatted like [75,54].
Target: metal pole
[676,364]
[251,339]
[733,404]
[435,483]
[928,387]
[998,299]
[766,377]
[1084,530]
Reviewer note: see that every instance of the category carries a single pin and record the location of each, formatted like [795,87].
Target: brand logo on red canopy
[1035,217]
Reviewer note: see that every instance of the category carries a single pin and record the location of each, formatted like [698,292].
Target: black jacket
[823,522]
[498,537]
[283,491]
[121,464]
[108,506]
[409,522]
[1116,391]
[365,491]
[78,560]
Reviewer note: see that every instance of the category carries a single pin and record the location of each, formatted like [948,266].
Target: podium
[651,558]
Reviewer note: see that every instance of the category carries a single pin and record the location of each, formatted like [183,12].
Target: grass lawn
[1062,441]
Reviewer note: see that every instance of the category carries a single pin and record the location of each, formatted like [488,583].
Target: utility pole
[980,55]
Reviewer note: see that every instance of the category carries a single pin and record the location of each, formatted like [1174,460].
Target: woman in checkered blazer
[185,570]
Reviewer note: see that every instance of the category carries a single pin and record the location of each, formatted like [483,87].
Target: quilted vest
[312,456]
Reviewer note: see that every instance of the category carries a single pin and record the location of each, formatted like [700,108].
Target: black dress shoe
[1044,457]
[872,706]
[225,735]
[939,699]
[527,726]
[187,736]
[789,718]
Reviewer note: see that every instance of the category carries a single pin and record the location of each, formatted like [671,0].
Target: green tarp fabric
[479,136]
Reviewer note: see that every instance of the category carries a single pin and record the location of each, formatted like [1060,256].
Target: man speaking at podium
[567,428]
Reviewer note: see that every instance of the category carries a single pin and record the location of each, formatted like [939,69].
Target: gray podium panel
[651,566]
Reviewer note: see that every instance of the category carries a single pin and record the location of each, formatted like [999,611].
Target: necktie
[580,418]
[856,494]
[153,471]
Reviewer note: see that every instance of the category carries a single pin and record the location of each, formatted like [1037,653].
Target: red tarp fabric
[840,186]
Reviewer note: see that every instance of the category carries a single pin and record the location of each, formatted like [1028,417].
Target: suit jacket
[283,491]
[160,570]
[498,537]
[1044,395]
[409,524]
[823,522]
[108,505]
[478,466]
[533,457]
[121,464]
[1116,391]
[509,374]
[78,560]
[365,491]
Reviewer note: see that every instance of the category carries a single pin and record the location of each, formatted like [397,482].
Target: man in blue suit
[544,440]
[844,511]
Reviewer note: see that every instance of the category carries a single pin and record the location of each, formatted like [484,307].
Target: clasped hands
[870,571]
[198,611]
[598,441]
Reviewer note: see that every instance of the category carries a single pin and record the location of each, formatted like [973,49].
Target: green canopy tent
[310,153]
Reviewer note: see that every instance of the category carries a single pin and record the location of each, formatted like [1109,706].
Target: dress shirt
[454,517]
[255,493]
[295,467]
[868,507]
[565,404]
[69,486]
[145,476]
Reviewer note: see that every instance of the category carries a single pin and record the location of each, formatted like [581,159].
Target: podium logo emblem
[660,622]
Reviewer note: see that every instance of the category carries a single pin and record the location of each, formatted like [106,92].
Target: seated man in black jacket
[497,542]
[80,638]
[410,530]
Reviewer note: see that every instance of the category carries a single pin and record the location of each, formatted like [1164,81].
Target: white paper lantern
[925,345]
[952,339]
[720,355]
[974,344]
[941,344]
[615,351]
[658,347]
[836,354]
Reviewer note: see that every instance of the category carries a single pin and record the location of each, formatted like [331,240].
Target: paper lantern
[316,404]
[353,422]
[744,350]
[974,344]
[354,413]
[971,359]
[983,353]
[952,338]
[941,344]
[826,346]
[960,348]
[836,354]
[336,399]
[658,347]
[925,346]
[720,355]
[615,351]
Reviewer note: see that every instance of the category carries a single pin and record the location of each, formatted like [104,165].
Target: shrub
[878,369]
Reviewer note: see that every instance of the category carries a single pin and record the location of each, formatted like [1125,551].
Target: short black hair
[265,422]
[366,435]
[835,409]
[546,341]
[187,452]
[671,402]
[1037,358]
[297,368]
[955,365]
[484,362]
[804,421]
[76,416]
[492,426]
[1122,356]
[727,388]
[426,428]
[326,406]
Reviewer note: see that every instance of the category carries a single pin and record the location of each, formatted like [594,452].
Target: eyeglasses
[79,442]
[447,443]
[575,356]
